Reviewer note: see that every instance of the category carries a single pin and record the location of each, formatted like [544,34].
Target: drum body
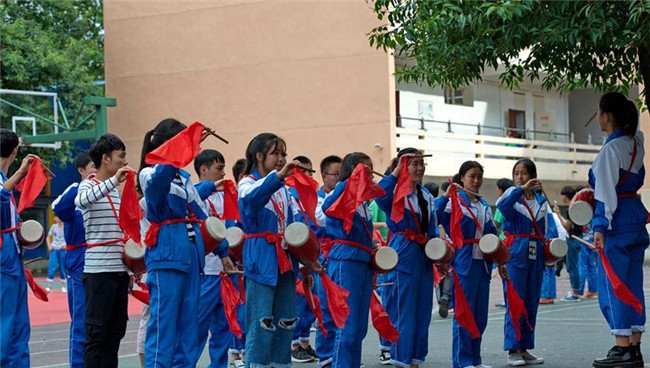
[302,242]
[30,234]
[494,249]
[213,232]
[554,250]
[134,257]
[439,251]
[384,260]
[581,208]
[235,237]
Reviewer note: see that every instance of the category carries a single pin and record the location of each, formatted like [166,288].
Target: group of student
[184,284]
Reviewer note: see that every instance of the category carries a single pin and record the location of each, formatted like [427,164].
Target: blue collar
[256,174]
[615,134]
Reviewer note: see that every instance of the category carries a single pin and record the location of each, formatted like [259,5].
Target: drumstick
[306,169]
[32,261]
[384,284]
[49,171]
[590,119]
[237,272]
[584,242]
[376,173]
[212,132]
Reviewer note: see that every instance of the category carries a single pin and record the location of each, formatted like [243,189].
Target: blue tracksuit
[409,300]
[621,217]
[265,208]
[549,289]
[75,234]
[526,266]
[14,316]
[174,264]
[473,273]
[349,268]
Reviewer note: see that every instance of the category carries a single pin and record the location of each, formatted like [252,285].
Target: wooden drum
[494,249]
[384,259]
[439,251]
[134,257]
[30,234]
[303,243]
[555,249]
[213,232]
[235,237]
[581,208]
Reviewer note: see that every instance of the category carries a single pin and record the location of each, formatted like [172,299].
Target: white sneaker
[48,289]
[516,360]
[482,366]
[530,359]
[64,290]
[237,364]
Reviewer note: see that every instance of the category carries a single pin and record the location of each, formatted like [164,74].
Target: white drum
[555,249]
[134,257]
[213,231]
[30,234]
[384,259]
[494,249]
[235,237]
[439,251]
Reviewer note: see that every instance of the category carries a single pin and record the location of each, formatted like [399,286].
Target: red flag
[336,300]
[130,211]
[620,289]
[180,150]
[231,299]
[516,308]
[314,303]
[230,198]
[307,189]
[456,231]
[143,294]
[32,185]
[381,321]
[436,275]
[358,189]
[37,289]
[403,188]
[463,313]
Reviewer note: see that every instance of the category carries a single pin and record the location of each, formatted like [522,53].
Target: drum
[494,249]
[235,237]
[134,257]
[581,208]
[213,232]
[303,243]
[439,251]
[555,249]
[384,259]
[30,234]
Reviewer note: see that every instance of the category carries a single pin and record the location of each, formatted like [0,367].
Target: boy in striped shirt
[105,278]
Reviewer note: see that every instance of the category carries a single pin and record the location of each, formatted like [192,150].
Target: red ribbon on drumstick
[516,308]
[130,211]
[314,303]
[381,321]
[142,294]
[403,188]
[463,313]
[230,198]
[180,150]
[337,303]
[38,290]
[307,189]
[32,185]
[231,299]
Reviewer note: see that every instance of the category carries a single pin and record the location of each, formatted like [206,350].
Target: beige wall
[301,69]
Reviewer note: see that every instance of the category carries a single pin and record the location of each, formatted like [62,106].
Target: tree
[565,44]
[51,45]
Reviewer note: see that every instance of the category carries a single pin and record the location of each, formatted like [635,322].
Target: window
[459,96]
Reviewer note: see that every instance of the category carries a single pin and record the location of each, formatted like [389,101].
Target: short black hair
[580,187]
[82,160]
[432,188]
[238,168]
[206,158]
[350,162]
[327,161]
[444,186]
[504,184]
[303,160]
[105,145]
[8,142]
[568,191]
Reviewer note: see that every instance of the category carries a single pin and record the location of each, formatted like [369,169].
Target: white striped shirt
[101,225]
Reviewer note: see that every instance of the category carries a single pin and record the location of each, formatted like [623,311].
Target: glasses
[332,174]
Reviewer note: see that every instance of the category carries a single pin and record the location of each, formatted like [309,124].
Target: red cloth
[37,289]
[230,198]
[307,189]
[455,229]
[436,275]
[276,239]
[358,189]
[376,236]
[231,299]
[337,303]
[141,295]
[463,313]
[381,321]
[314,303]
[151,237]
[620,289]
[403,188]
[32,185]
[180,150]
[130,211]
[516,308]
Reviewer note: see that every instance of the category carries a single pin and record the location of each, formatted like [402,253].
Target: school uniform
[473,271]
[14,316]
[409,300]
[57,254]
[555,230]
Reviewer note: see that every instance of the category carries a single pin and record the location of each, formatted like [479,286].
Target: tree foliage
[564,44]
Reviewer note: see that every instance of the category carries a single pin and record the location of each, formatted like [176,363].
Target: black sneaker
[384,357]
[638,357]
[311,352]
[300,355]
[619,357]
[443,307]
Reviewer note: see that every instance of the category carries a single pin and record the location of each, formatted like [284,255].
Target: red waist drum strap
[627,195]
[9,230]
[275,239]
[152,234]
[74,246]
[510,238]
[351,243]
[413,236]
[471,241]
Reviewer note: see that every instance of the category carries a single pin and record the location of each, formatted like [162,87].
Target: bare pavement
[569,334]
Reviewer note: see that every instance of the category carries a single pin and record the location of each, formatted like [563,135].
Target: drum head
[234,236]
[559,247]
[489,243]
[386,258]
[581,213]
[296,234]
[215,228]
[436,249]
[133,250]
[31,231]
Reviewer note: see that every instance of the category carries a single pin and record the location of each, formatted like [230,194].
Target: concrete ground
[569,334]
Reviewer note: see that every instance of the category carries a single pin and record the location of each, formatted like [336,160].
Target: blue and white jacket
[11,254]
[74,231]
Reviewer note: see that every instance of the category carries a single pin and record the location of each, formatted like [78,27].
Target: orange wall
[301,69]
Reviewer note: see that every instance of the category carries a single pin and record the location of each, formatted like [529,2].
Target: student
[502,185]
[474,272]
[105,279]
[75,238]
[553,230]
[55,244]
[209,166]
[409,300]
[573,252]
[174,257]
[265,211]
[14,316]
[238,345]
[619,225]
[349,266]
